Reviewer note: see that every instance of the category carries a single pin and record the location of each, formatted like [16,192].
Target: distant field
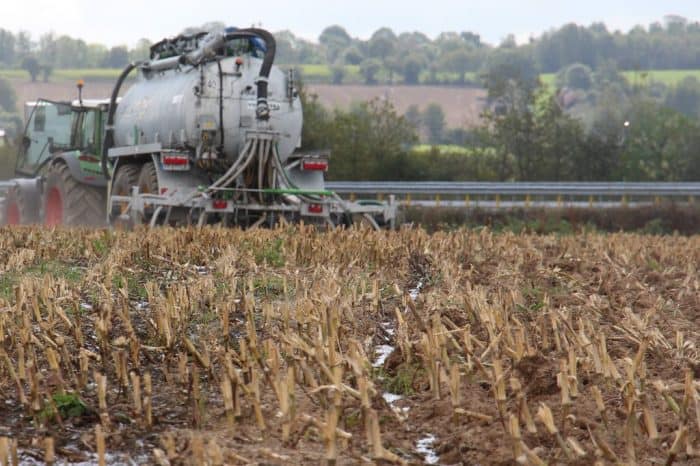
[324,73]
[313,72]
[667,77]
[310,73]
[442,148]
[462,105]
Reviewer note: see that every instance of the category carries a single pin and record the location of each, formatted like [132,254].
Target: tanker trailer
[210,132]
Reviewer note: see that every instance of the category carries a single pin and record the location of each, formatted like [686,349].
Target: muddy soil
[226,347]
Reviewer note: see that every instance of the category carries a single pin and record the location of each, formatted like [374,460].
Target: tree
[661,144]
[434,122]
[607,74]
[685,97]
[8,98]
[46,71]
[511,123]
[458,61]
[47,48]
[337,74]
[336,34]
[70,53]
[96,55]
[576,76]
[142,51]
[117,57]
[23,45]
[368,142]
[471,39]
[382,44]
[509,71]
[315,132]
[7,47]
[412,67]
[352,55]
[369,69]
[31,65]
[413,117]
[335,39]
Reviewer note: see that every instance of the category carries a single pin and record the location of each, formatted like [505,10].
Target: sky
[124,22]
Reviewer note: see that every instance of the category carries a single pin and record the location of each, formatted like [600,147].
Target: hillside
[462,106]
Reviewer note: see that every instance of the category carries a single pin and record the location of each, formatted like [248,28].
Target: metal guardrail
[520,194]
[522,188]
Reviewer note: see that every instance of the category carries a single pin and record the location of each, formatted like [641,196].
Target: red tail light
[175,160]
[315,208]
[315,165]
[219,204]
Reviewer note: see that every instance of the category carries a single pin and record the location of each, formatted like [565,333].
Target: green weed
[68,405]
[271,254]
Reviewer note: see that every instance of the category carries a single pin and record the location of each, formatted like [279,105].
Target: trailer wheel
[68,202]
[125,179]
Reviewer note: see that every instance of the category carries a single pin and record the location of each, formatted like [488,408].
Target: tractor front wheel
[68,202]
[20,206]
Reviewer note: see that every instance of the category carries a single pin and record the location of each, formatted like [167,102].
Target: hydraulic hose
[221,105]
[109,127]
[262,111]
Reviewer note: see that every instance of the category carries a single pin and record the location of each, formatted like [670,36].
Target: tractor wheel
[68,202]
[148,179]
[17,210]
[125,179]
[148,184]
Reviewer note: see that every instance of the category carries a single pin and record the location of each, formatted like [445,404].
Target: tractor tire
[148,184]
[148,179]
[126,177]
[17,209]
[68,202]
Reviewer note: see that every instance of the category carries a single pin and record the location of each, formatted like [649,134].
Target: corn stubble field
[291,346]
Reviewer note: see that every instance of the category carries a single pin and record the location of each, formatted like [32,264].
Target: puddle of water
[86,306]
[383,352]
[389,328]
[142,305]
[202,269]
[391,398]
[425,448]
[111,460]
[424,445]
[413,293]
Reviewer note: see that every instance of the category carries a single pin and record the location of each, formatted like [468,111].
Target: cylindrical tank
[186,107]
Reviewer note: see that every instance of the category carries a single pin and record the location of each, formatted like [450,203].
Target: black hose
[263,109]
[109,127]
[221,104]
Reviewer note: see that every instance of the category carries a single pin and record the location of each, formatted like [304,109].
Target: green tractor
[59,176]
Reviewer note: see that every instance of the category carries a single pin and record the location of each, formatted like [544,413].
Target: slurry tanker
[209,132]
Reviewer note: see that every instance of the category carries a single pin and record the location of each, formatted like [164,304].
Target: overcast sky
[126,21]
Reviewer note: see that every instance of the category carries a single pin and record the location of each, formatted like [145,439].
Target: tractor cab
[71,131]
